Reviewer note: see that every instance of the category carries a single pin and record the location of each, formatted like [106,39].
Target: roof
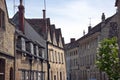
[71,45]
[29,31]
[97,28]
[40,24]
[93,30]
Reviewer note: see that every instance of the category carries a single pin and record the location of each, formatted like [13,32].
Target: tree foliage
[107,58]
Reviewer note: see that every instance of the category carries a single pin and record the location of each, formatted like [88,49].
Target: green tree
[107,58]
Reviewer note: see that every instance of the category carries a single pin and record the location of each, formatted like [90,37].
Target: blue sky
[72,16]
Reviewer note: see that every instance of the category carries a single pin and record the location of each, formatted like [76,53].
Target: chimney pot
[44,14]
[103,17]
[89,28]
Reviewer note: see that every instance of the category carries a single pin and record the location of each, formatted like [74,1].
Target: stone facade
[30,50]
[55,47]
[57,62]
[87,49]
[6,44]
[71,54]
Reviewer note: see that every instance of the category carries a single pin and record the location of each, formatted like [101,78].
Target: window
[22,75]
[26,75]
[60,75]
[39,76]
[27,46]
[23,44]
[59,56]
[62,57]
[49,55]
[36,76]
[19,42]
[32,75]
[54,77]
[31,48]
[55,56]
[35,49]
[2,19]
[40,52]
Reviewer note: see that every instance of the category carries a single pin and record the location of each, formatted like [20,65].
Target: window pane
[22,75]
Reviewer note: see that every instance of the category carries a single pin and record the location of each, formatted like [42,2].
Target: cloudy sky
[72,16]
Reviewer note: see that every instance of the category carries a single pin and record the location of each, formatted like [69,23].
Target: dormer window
[2,19]
[27,46]
[23,44]
[31,48]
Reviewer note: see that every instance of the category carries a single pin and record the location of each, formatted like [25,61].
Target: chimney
[44,14]
[72,40]
[21,16]
[83,32]
[89,28]
[103,17]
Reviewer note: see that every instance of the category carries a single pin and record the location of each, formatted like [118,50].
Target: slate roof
[39,24]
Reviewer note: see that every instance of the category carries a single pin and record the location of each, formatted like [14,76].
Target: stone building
[42,33]
[71,54]
[88,44]
[55,46]
[57,62]
[30,50]
[6,44]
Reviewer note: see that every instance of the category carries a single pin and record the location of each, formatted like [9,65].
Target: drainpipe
[48,65]
[42,69]
[30,68]
[14,56]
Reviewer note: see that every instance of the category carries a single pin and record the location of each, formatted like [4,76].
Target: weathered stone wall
[56,66]
[7,42]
